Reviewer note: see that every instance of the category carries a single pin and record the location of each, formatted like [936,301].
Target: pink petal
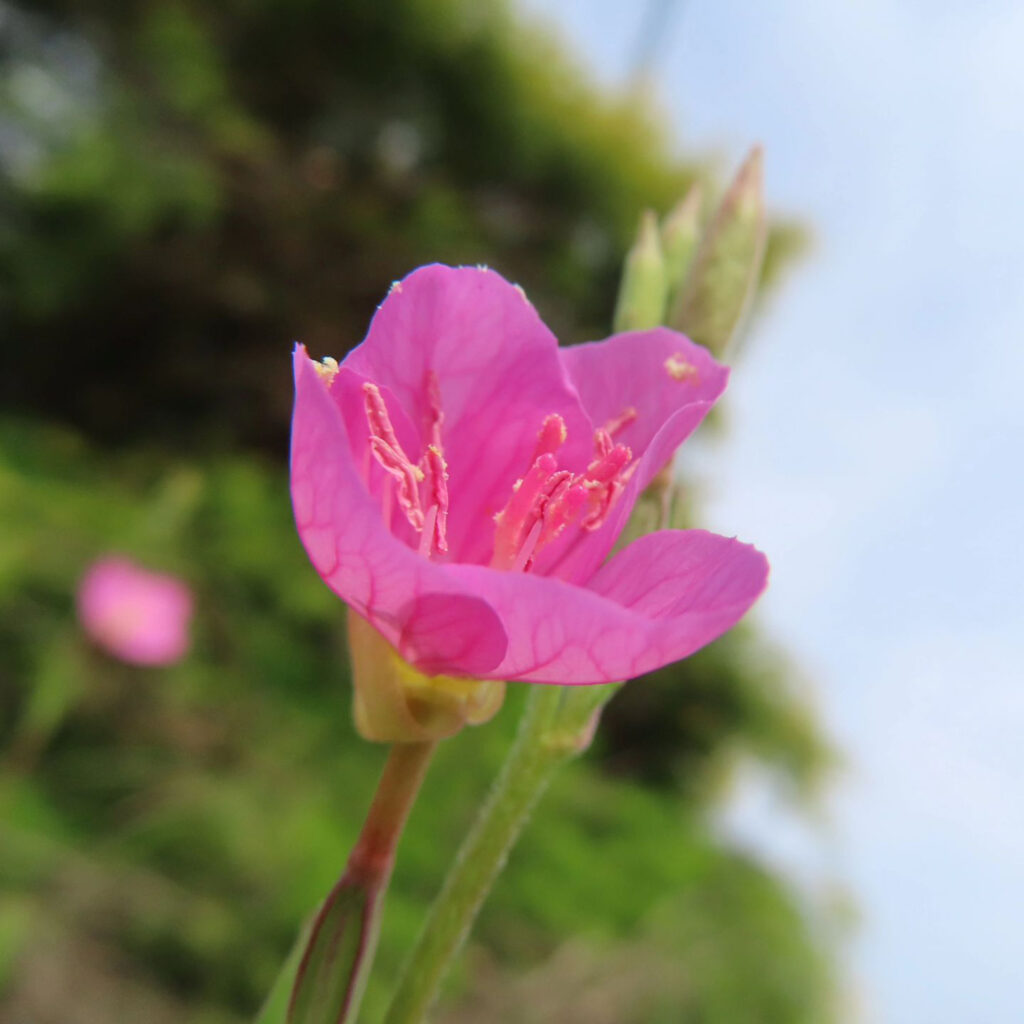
[343,531]
[500,376]
[442,633]
[657,373]
[657,601]
[672,384]
[139,616]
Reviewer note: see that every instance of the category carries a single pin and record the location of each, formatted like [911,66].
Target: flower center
[548,499]
[545,502]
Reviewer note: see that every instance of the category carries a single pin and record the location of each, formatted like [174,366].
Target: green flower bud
[644,288]
[711,304]
[680,235]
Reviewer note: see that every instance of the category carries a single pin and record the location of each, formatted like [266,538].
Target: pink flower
[459,481]
[138,616]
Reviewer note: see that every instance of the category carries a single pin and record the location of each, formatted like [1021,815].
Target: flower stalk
[335,965]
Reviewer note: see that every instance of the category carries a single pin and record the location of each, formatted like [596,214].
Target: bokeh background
[814,819]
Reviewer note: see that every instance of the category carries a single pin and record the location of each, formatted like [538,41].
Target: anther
[611,459]
[327,369]
[551,437]
[678,368]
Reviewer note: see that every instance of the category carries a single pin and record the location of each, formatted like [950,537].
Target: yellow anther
[327,369]
[679,369]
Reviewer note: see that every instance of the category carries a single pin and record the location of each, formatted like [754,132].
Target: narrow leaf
[332,974]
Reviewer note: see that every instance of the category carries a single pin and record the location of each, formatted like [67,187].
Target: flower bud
[642,294]
[396,703]
[711,304]
[680,235]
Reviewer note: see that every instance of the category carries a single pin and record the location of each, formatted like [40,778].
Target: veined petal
[580,560]
[671,383]
[655,373]
[458,360]
[499,374]
[342,528]
[657,601]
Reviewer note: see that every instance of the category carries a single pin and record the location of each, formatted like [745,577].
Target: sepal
[395,703]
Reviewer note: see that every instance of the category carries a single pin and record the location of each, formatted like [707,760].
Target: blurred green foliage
[184,189]
[193,186]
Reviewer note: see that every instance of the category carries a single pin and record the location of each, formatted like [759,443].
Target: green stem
[332,958]
[373,857]
[538,750]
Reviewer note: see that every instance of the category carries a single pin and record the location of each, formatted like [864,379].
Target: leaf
[332,974]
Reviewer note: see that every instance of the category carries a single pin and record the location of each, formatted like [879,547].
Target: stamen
[613,426]
[602,499]
[525,556]
[327,369]
[563,506]
[407,475]
[603,442]
[388,501]
[678,368]
[513,522]
[548,499]
[605,478]
[427,536]
[551,437]
[436,525]
[432,470]
[378,418]
[386,448]
[611,460]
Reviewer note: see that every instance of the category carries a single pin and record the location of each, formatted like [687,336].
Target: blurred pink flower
[139,616]
[459,480]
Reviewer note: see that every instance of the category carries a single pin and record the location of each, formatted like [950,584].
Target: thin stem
[337,949]
[373,856]
[532,761]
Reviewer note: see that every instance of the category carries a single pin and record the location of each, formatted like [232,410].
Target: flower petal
[442,632]
[500,376]
[658,600]
[656,373]
[342,528]
[672,384]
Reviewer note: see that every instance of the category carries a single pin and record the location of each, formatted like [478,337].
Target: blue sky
[876,449]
